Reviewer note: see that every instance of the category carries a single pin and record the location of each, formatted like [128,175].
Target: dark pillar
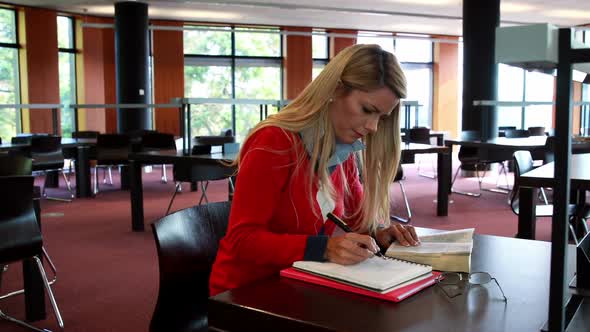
[480,72]
[132,65]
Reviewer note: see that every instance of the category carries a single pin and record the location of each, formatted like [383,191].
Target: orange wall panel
[576,113]
[445,106]
[298,62]
[42,66]
[110,81]
[168,58]
[93,77]
[337,44]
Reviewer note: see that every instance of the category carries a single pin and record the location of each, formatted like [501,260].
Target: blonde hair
[359,67]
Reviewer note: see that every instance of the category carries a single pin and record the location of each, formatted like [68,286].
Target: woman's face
[357,113]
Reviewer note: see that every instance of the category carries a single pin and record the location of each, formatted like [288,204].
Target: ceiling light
[437,3]
[194,13]
[567,13]
[516,7]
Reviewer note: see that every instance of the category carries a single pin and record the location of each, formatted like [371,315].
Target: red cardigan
[271,219]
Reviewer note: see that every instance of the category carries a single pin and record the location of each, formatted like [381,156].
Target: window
[320,52]
[220,63]
[67,72]
[516,84]
[385,40]
[9,81]
[585,116]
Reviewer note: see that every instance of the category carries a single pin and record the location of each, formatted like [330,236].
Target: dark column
[132,64]
[480,72]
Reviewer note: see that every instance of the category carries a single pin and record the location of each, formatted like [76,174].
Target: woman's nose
[372,124]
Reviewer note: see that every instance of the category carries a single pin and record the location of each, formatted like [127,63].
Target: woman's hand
[350,248]
[404,234]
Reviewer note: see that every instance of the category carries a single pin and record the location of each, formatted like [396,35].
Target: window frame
[233,60]
[17,81]
[73,73]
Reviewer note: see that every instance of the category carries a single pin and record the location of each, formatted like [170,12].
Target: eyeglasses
[450,282]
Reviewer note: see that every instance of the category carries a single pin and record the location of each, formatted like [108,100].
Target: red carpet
[108,275]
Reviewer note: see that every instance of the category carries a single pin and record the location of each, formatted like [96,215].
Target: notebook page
[375,272]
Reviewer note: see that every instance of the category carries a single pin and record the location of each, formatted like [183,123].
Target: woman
[307,160]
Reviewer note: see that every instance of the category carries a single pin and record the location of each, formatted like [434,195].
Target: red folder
[395,295]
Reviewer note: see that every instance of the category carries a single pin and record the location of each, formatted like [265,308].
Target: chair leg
[164,175]
[21,291]
[466,193]
[95,191]
[47,285]
[68,184]
[544,196]
[176,190]
[110,172]
[50,293]
[204,185]
[44,191]
[408,210]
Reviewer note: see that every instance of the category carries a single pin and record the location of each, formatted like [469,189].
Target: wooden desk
[443,171]
[521,266]
[543,177]
[80,149]
[136,160]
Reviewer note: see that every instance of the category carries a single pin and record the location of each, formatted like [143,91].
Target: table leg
[136,190]
[449,168]
[527,218]
[34,291]
[83,172]
[444,184]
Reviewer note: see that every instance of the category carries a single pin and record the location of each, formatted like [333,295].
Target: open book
[375,274]
[445,251]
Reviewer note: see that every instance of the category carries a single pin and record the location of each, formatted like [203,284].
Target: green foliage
[7,26]
[254,79]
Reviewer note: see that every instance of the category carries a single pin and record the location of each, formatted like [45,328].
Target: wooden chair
[187,243]
[536,131]
[516,133]
[20,236]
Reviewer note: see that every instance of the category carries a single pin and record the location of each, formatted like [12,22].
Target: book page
[375,273]
[460,235]
[439,248]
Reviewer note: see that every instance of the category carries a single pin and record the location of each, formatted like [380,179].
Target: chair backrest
[419,135]
[152,141]
[516,133]
[20,236]
[204,170]
[46,152]
[468,152]
[399,174]
[523,162]
[506,127]
[187,243]
[213,140]
[226,132]
[85,134]
[15,164]
[536,131]
[113,148]
[549,150]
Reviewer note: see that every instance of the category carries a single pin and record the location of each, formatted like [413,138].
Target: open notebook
[375,274]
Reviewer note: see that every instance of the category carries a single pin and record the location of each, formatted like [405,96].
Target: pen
[344,226]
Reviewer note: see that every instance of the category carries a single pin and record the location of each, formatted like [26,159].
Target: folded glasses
[450,282]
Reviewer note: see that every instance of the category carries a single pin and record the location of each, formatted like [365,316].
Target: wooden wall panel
[168,58]
[337,44]
[110,80]
[42,66]
[93,80]
[298,62]
[445,106]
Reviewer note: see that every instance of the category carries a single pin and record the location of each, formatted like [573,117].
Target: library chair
[70,154]
[111,150]
[536,131]
[399,177]
[18,165]
[20,236]
[154,141]
[523,162]
[469,156]
[516,133]
[187,243]
[421,135]
[47,155]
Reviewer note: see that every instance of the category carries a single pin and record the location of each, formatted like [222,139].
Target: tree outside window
[67,72]
[221,63]
[9,86]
